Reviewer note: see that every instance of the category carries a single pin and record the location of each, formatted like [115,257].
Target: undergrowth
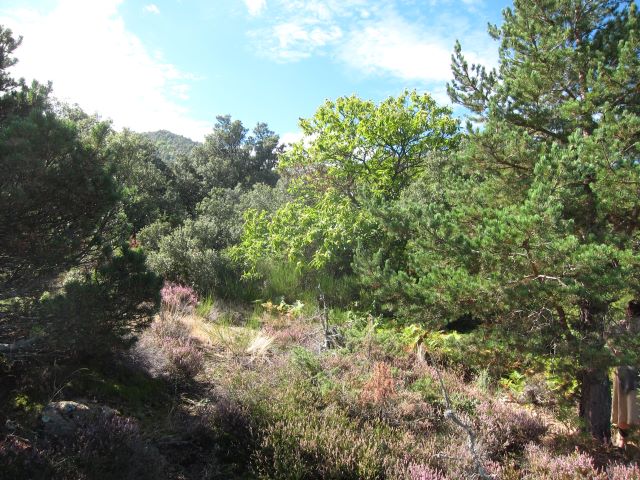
[213,390]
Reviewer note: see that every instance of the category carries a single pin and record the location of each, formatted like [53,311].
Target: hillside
[170,145]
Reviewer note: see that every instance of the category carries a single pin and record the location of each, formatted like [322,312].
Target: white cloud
[85,49]
[395,47]
[291,137]
[294,41]
[374,38]
[152,8]
[297,29]
[255,7]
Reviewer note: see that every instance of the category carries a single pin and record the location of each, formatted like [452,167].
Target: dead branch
[23,344]
[472,438]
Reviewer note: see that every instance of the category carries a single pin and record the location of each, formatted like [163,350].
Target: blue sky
[176,64]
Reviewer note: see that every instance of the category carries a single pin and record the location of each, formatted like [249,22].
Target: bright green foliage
[354,144]
[307,236]
[356,152]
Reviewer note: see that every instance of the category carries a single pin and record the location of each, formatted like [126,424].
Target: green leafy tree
[171,146]
[355,146]
[147,184]
[355,152]
[56,193]
[228,157]
[194,252]
[316,236]
[8,45]
[59,203]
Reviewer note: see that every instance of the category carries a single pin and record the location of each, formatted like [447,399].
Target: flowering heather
[167,349]
[422,472]
[624,472]
[178,297]
[185,357]
[543,465]
[505,428]
[106,432]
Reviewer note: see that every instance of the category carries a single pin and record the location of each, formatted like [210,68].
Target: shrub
[105,446]
[167,350]
[96,312]
[624,472]
[543,465]
[183,256]
[321,446]
[306,361]
[504,429]
[417,415]
[281,280]
[178,297]
[381,386]
[20,458]
[423,472]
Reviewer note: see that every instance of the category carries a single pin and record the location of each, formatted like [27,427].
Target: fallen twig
[472,437]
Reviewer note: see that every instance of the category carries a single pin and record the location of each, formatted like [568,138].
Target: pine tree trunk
[595,403]
[595,387]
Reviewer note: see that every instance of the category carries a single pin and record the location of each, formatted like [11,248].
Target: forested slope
[170,145]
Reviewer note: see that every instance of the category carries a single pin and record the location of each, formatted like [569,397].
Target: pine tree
[542,211]
[55,189]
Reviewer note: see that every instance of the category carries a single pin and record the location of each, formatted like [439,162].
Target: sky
[177,64]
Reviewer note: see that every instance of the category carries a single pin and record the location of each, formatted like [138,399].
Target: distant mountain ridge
[170,145]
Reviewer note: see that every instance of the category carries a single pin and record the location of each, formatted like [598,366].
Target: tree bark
[595,387]
[595,403]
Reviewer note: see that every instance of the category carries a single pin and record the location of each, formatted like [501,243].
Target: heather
[258,395]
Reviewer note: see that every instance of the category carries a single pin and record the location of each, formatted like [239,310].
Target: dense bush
[100,309]
[147,184]
[229,157]
[56,193]
[195,252]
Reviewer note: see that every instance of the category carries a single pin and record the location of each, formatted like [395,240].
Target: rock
[64,417]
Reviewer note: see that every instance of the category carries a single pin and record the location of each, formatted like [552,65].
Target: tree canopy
[353,144]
